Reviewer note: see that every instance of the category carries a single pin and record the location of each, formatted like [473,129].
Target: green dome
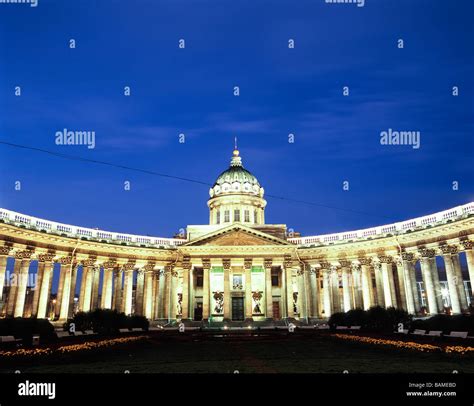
[236,174]
[236,179]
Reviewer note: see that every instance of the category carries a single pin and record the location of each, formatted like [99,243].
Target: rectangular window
[226,216]
[199,278]
[237,282]
[236,215]
[275,279]
[218,217]
[255,216]
[247,216]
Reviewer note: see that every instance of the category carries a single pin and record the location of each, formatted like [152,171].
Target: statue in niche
[257,297]
[219,300]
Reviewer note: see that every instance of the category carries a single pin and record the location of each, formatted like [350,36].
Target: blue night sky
[237,43]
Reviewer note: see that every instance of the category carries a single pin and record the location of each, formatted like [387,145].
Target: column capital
[4,251]
[111,263]
[46,257]
[355,267]
[448,249]
[427,253]
[344,263]
[26,254]
[408,256]
[129,266]
[226,264]
[149,267]
[385,259]
[365,261]
[467,244]
[248,263]
[206,263]
[89,262]
[267,263]
[287,261]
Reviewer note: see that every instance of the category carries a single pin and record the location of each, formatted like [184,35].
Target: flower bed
[407,345]
[69,349]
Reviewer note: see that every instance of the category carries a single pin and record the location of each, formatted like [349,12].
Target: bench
[307,327]
[323,327]
[457,334]
[419,332]
[435,333]
[7,339]
[342,328]
[404,331]
[62,334]
[124,330]
[354,327]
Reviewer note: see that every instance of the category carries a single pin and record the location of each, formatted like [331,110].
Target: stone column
[390,297]
[3,268]
[37,290]
[452,278]
[302,310]
[346,290]
[161,294]
[314,294]
[21,272]
[107,287]
[327,293]
[426,272]
[83,286]
[367,291]
[379,284]
[248,288]
[149,296]
[64,290]
[336,300]
[72,292]
[436,283]
[45,287]
[268,289]
[408,268]
[128,291]
[87,300]
[139,292]
[401,283]
[468,246]
[206,264]
[227,299]
[173,294]
[357,286]
[156,298]
[289,291]
[95,287]
[414,283]
[185,300]
[459,280]
[117,296]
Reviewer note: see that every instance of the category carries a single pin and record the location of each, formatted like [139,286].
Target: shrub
[26,328]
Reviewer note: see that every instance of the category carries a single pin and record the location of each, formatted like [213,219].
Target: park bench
[354,327]
[124,330]
[457,334]
[404,331]
[435,333]
[419,332]
[62,334]
[7,339]
[342,328]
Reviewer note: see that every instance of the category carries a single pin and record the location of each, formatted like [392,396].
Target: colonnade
[280,287]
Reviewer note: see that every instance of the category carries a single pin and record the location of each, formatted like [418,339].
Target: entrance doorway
[237,308]
[276,310]
[198,312]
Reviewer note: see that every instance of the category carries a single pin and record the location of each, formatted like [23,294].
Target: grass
[272,354]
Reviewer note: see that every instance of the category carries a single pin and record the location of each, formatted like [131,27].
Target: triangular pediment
[237,235]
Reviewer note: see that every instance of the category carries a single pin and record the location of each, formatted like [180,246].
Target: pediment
[237,236]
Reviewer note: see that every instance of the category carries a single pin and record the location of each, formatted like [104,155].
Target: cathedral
[237,267]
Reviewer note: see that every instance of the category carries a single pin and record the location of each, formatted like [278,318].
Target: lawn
[263,354]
